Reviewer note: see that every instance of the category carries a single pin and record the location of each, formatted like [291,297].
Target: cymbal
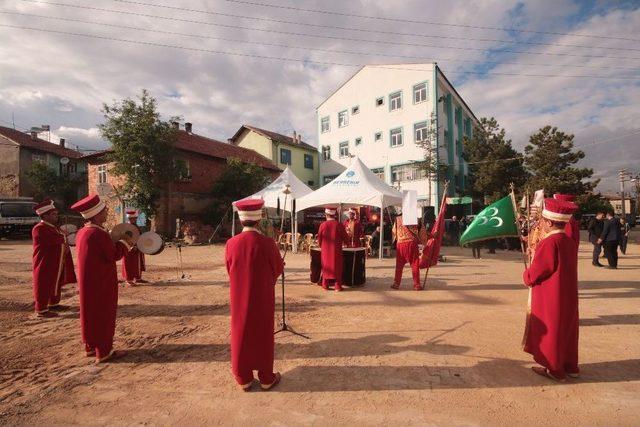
[119,231]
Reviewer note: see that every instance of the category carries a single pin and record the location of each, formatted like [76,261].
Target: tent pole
[294,230]
[381,229]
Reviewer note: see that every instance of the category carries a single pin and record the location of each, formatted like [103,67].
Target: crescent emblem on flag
[498,220]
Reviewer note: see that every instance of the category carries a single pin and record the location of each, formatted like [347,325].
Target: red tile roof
[25,140]
[276,137]
[212,148]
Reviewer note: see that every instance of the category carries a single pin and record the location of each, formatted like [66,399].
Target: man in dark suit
[610,239]
[595,226]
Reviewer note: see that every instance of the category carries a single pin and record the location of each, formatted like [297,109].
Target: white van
[17,216]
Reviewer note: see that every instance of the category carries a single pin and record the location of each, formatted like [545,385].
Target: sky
[223,63]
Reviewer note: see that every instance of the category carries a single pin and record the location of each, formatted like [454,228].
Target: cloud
[63,80]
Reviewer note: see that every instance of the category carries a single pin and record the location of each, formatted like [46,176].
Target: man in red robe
[133,262]
[551,332]
[52,261]
[408,237]
[572,228]
[254,264]
[98,279]
[354,229]
[331,237]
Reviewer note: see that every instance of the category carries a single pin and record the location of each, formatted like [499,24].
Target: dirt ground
[448,356]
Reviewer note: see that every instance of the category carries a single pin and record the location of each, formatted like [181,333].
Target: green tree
[430,164]
[237,181]
[143,148]
[551,159]
[593,203]
[493,162]
[48,183]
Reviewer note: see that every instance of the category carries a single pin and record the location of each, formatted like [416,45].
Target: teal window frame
[391,131]
[393,94]
[340,146]
[346,115]
[355,110]
[375,136]
[308,161]
[358,141]
[382,169]
[328,118]
[328,178]
[426,126]
[426,92]
[326,149]
[282,159]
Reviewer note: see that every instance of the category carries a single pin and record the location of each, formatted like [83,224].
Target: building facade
[202,160]
[384,114]
[19,151]
[284,151]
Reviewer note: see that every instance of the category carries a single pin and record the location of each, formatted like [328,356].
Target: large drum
[353,266]
[316,265]
[150,243]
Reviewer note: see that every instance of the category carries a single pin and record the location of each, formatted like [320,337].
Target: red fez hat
[89,207]
[564,197]
[43,207]
[132,213]
[249,209]
[558,210]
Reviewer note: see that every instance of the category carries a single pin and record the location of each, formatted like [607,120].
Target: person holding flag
[133,262]
[551,332]
[408,237]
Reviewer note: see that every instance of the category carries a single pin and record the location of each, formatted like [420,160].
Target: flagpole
[444,200]
[515,214]
[528,223]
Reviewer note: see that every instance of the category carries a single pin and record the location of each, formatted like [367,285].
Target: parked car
[17,217]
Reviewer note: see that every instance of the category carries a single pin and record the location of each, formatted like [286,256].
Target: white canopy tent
[274,197]
[356,186]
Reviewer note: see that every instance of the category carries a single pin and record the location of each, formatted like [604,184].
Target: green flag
[496,220]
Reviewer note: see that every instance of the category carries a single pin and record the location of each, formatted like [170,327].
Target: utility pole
[622,176]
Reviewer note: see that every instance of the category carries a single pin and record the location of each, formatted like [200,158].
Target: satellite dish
[104,189]
[64,160]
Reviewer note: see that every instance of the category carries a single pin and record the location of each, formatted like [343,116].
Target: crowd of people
[254,263]
[608,232]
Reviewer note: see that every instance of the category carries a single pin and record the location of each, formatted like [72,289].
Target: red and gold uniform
[354,229]
[331,237]
[254,264]
[97,280]
[52,261]
[133,262]
[551,333]
[407,238]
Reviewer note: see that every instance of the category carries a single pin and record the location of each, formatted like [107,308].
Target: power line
[288,33]
[306,61]
[363,30]
[349,52]
[411,21]
[637,132]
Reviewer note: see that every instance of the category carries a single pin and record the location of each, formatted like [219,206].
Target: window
[310,183]
[419,93]
[325,125]
[343,119]
[326,153]
[379,172]
[420,132]
[328,178]
[102,174]
[355,110]
[457,146]
[395,101]
[379,102]
[456,117]
[406,173]
[285,156]
[183,172]
[344,149]
[39,158]
[378,136]
[308,161]
[358,141]
[396,137]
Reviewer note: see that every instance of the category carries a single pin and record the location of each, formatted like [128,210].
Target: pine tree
[550,158]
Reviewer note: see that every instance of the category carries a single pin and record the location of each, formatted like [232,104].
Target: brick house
[203,159]
[19,151]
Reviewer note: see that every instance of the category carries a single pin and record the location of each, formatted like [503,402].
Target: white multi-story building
[381,112]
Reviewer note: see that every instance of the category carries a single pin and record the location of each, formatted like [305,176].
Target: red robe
[572,229]
[133,265]
[331,237]
[551,335]
[98,286]
[355,232]
[52,265]
[254,264]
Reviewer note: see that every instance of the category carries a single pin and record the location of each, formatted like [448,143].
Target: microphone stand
[283,326]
